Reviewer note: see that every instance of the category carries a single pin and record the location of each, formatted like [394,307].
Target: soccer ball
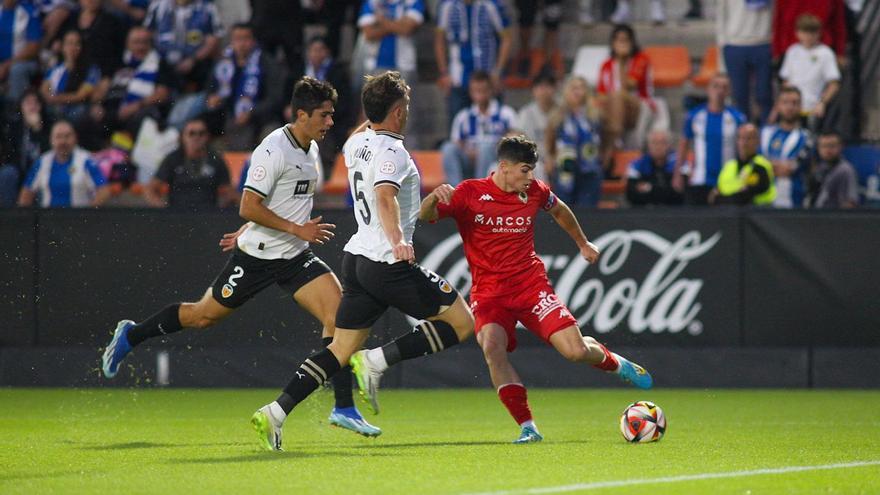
[642,422]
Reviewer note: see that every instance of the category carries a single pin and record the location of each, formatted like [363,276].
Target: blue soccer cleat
[350,418]
[117,349]
[634,374]
[529,434]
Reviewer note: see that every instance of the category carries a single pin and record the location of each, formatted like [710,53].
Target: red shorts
[537,308]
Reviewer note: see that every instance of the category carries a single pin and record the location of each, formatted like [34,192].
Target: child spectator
[811,67]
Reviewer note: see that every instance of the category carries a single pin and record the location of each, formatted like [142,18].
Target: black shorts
[528,12]
[244,276]
[370,287]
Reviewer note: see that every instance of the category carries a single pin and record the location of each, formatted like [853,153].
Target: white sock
[277,413]
[377,357]
[620,361]
[530,423]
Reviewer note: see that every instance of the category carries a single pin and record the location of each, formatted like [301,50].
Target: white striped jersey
[779,144]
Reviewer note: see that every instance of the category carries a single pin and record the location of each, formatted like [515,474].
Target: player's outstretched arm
[229,240]
[389,215]
[428,210]
[569,223]
[252,209]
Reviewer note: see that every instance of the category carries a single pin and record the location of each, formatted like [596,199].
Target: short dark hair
[808,23]
[480,75]
[790,89]
[518,149]
[317,39]
[831,133]
[242,25]
[381,92]
[310,93]
[544,77]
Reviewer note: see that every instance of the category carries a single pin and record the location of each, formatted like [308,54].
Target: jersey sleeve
[95,173]
[31,176]
[367,15]
[266,168]
[458,205]
[393,166]
[546,196]
[415,10]
[688,128]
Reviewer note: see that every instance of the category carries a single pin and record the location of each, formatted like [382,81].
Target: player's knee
[204,322]
[574,353]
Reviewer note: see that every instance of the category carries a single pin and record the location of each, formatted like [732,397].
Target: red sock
[515,399]
[609,363]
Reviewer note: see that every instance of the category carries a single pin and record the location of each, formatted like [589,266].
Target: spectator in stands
[470,151]
[743,33]
[134,10]
[650,176]
[279,23]
[831,15]
[142,87]
[625,90]
[710,132]
[26,133]
[20,39]
[811,67]
[572,143]
[532,118]
[10,180]
[103,35]
[388,28]
[245,89]
[54,14]
[551,13]
[332,15]
[193,177]
[623,13]
[187,34]
[833,181]
[67,87]
[695,10]
[65,176]
[788,147]
[471,35]
[748,178]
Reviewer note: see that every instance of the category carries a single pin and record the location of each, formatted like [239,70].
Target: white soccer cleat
[368,377]
[268,429]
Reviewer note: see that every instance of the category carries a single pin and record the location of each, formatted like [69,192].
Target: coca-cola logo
[662,300]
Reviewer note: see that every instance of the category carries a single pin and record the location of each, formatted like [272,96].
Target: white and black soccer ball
[642,422]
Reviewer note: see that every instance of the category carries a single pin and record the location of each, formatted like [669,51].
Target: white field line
[677,479]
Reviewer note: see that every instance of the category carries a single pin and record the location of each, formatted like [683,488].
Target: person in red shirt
[832,13]
[495,217]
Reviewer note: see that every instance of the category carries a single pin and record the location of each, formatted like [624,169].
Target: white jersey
[286,175]
[374,159]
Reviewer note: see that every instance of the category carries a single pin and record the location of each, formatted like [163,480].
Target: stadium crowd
[136,102]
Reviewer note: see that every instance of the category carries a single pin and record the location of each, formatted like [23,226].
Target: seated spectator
[572,161]
[26,134]
[187,34]
[103,35]
[470,151]
[137,90]
[833,181]
[388,28]
[194,177]
[532,118]
[68,86]
[787,146]
[65,176]
[245,89]
[748,178]
[115,163]
[650,177]
[625,90]
[19,46]
[811,67]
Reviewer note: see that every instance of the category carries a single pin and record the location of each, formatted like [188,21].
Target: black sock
[164,322]
[314,371]
[428,337]
[341,382]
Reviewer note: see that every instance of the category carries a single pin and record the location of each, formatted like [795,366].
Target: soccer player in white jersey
[378,268]
[273,247]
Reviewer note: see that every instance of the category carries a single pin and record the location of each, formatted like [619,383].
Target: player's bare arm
[563,216]
[230,239]
[253,210]
[428,210]
[389,215]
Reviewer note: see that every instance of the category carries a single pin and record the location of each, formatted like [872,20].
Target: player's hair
[790,89]
[481,76]
[518,149]
[381,93]
[808,23]
[310,93]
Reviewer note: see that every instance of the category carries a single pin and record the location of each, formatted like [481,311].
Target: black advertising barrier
[664,278]
[17,277]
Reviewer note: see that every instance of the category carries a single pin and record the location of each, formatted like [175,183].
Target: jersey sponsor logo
[487,197]
[504,225]
[258,173]
[302,187]
[229,287]
[547,303]
[387,168]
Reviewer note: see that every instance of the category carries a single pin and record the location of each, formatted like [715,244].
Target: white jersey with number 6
[375,159]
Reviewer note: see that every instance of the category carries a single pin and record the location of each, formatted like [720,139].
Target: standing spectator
[551,13]
[245,89]
[388,28]
[26,133]
[623,13]
[831,15]
[625,90]
[20,36]
[710,132]
[54,13]
[332,15]
[279,23]
[787,146]
[748,178]
[470,151]
[103,35]
[65,176]
[532,118]
[188,34]
[471,35]
[811,67]
[134,10]
[833,181]
[650,177]
[193,177]
[743,33]
[573,147]
[67,87]
[695,10]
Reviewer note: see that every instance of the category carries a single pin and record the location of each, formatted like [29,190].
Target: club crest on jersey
[524,197]
[387,168]
[226,291]
[445,287]
[258,173]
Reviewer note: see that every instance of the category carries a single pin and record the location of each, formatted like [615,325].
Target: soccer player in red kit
[495,218]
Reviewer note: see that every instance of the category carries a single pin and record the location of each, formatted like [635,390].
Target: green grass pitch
[439,442]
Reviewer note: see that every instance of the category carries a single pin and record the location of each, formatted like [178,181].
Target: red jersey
[498,230]
[637,67]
